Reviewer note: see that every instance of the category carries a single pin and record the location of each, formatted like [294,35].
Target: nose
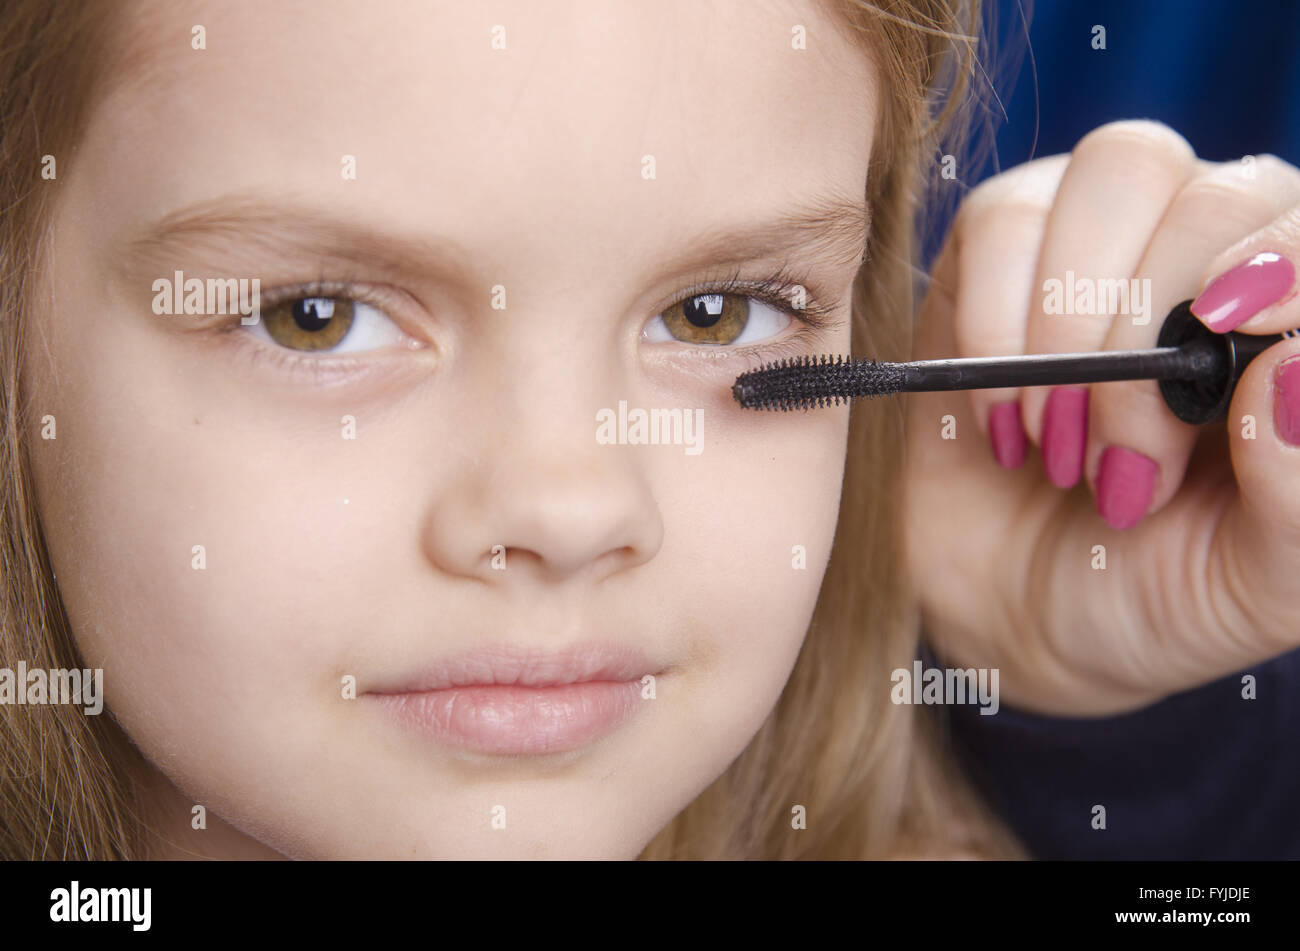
[548,504]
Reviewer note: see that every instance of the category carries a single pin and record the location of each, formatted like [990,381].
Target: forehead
[511,117]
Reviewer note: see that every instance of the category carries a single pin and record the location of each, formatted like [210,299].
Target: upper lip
[509,665]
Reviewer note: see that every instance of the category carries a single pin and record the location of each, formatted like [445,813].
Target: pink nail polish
[1125,482]
[1240,293]
[1007,433]
[1286,400]
[1065,431]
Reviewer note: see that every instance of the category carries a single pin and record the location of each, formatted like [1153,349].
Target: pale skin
[328,557]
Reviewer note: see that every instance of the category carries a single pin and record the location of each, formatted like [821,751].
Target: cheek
[205,551]
[752,521]
[184,573]
[224,664]
[197,555]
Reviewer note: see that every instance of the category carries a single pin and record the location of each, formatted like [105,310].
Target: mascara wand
[1197,368]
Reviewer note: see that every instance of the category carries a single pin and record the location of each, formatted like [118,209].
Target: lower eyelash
[800,342]
[320,371]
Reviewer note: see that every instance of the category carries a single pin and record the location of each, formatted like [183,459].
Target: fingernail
[1286,400]
[1007,434]
[1240,293]
[1125,482]
[1065,430]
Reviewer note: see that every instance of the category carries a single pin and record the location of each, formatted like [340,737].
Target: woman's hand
[1132,555]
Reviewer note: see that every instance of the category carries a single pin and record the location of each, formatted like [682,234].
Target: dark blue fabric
[1225,75]
[1204,774]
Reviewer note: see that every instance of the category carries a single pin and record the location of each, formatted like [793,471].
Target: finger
[1000,232]
[1251,287]
[1120,181]
[1254,554]
[1137,449]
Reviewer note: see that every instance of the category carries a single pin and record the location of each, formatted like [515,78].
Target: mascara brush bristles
[805,382]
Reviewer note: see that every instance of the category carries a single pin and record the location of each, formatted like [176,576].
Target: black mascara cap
[1206,398]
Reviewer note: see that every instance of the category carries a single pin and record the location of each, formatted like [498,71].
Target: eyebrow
[831,227]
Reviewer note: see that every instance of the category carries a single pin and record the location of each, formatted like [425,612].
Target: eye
[718,320]
[333,324]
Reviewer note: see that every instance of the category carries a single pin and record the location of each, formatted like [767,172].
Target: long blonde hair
[873,777]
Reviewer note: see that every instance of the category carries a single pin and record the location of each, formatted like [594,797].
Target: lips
[506,700]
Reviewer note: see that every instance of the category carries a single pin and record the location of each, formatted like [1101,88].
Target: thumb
[1254,563]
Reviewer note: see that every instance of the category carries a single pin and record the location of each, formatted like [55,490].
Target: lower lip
[511,719]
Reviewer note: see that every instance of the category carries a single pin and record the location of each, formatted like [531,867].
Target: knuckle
[1018,227]
[1031,186]
[1267,174]
[1272,166]
[1142,142]
[1016,212]
[1210,200]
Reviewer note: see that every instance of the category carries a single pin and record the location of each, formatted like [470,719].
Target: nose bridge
[548,375]
[563,345]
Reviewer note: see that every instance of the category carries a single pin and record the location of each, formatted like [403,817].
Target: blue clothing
[1203,774]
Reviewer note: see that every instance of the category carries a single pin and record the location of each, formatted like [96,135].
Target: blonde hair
[874,777]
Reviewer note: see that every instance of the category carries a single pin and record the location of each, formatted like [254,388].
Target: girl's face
[293,545]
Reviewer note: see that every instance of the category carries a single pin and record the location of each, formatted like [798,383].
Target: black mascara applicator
[1197,368]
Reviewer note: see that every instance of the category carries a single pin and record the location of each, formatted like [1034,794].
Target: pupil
[313,313]
[705,310]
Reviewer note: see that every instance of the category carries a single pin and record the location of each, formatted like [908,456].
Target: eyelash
[775,291]
[315,369]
